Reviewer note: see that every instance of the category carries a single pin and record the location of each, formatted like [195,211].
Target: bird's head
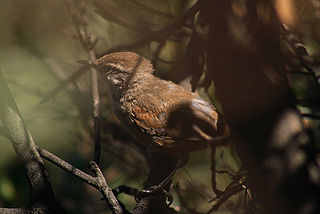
[120,67]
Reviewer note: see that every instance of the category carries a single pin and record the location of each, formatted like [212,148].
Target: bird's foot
[154,190]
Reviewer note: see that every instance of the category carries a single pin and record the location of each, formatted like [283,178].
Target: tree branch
[15,211]
[94,87]
[310,115]
[97,182]
[306,61]
[24,211]
[82,25]
[24,146]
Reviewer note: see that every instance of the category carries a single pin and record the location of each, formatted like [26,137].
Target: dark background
[38,42]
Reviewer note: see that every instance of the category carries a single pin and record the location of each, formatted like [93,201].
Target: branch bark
[98,182]
[23,211]
[306,61]
[88,44]
[42,194]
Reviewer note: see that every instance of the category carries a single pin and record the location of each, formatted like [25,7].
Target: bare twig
[67,167]
[306,61]
[75,90]
[311,103]
[97,182]
[155,35]
[38,210]
[105,190]
[310,115]
[61,75]
[24,146]
[225,196]
[17,211]
[65,83]
[29,46]
[159,34]
[298,72]
[88,43]
[156,54]
[215,189]
[26,89]
[233,188]
[85,37]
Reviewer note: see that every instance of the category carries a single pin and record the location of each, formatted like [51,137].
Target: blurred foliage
[39,50]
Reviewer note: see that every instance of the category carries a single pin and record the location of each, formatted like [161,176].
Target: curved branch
[98,182]
[24,146]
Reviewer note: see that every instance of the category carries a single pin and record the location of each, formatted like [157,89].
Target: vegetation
[257,61]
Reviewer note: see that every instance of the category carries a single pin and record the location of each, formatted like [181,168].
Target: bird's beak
[90,63]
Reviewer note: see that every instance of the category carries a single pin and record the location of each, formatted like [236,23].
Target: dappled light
[132,106]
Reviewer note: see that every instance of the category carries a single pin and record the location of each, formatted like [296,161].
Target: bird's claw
[152,190]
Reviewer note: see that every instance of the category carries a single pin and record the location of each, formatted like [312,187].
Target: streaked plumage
[158,113]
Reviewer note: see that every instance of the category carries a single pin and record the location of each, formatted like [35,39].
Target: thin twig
[225,196]
[215,189]
[311,103]
[298,72]
[105,189]
[156,54]
[306,61]
[67,167]
[155,35]
[310,115]
[159,34]
[81,24]
[60,75]
[89,44]
[233,188]
[19,211]
[26,89]
[97,182]
[76,75]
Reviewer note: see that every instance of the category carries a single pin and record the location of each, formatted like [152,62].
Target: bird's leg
[216,191]
[164,167]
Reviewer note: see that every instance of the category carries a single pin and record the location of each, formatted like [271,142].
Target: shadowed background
[39,52]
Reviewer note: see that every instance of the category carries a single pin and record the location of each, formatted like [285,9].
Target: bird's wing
[169,114]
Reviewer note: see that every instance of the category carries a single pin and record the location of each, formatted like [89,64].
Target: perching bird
[164,117]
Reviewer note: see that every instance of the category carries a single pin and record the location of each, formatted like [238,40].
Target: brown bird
[164,117]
